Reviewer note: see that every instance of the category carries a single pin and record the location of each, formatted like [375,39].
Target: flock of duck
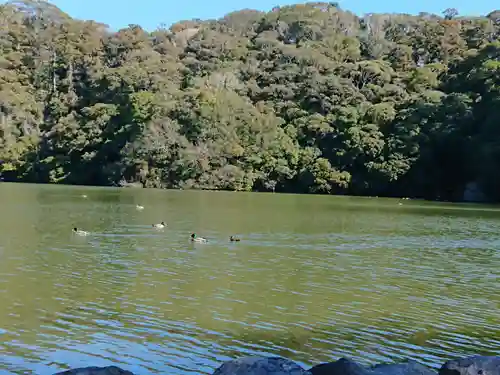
[193,238]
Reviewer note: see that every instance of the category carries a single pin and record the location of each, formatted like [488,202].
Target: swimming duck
[195,238]
[84,196]
[139,207]
[80,232]
[160,226]
[234,239]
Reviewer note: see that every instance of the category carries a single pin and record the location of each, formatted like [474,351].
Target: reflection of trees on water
[19,241]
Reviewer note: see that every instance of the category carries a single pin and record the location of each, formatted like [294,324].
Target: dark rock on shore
[109,370]
[345,366]
[475,365]
[260,366]
[409,367]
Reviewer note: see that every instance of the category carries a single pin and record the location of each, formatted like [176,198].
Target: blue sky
[151,13]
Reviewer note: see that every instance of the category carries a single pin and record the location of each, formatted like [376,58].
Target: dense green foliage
[305,98]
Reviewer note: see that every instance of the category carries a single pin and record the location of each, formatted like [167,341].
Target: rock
[476,365]
[125,184]
[108,370]
[409,367]
[347,367]
[343,366]
[260,366]
[473,193]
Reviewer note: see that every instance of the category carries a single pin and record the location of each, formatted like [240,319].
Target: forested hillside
[307,98]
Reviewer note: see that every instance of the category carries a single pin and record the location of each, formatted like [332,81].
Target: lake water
[313,279]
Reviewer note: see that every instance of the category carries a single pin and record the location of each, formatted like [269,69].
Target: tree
[450,13]
[307,98]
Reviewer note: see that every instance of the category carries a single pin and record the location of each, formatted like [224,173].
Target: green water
[313,279]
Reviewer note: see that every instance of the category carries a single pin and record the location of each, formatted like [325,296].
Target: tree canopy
[308,98]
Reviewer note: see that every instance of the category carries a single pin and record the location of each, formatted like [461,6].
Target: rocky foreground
[475,365]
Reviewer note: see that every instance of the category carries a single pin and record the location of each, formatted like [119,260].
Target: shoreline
[255,191]
[259,365]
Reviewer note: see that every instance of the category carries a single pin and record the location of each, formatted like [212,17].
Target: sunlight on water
[313,279]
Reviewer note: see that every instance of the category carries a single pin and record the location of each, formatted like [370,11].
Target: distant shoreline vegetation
[307,98]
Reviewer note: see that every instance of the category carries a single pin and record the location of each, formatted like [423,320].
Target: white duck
[80,232]
[195,238]
[160,226]
[139,208]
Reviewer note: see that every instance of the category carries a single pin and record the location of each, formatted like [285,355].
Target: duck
[138,207]
[160,226]
[84,196]
[195,238]
[234,239]
[80,232]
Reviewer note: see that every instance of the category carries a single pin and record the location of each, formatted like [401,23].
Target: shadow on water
[313,279]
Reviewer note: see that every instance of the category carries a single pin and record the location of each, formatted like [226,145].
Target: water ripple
[365,279]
